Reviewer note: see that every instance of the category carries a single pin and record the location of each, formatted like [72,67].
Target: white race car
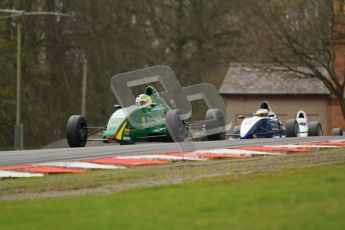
[306,128]
[265,124]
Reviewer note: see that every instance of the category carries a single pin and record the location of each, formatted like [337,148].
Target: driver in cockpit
[144,100]
[265,110]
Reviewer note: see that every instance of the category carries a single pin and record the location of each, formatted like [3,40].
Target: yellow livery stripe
[119,133]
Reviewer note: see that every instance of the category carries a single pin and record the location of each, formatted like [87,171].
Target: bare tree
[193,36]
[307,33]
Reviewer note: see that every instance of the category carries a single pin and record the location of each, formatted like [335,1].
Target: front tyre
[76,131]
[292,128]
[175,126]
[337,132]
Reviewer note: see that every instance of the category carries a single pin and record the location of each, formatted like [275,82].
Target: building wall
[335,116]
[285,107]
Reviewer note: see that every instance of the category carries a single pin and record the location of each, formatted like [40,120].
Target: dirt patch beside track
[104,182]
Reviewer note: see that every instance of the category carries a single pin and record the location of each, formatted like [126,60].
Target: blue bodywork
[265,127]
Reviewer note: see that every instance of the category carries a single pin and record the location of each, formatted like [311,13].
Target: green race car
[154,116]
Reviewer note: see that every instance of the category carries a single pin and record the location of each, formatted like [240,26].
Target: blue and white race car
[265,124]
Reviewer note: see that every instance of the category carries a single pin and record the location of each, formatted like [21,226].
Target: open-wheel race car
[153,115]
[265,124]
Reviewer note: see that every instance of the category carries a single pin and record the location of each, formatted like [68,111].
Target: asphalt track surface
[64,154]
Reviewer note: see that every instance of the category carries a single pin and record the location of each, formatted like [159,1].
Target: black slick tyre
[315,129]
[76,131]
[175,126]
[337,132]
[292,128]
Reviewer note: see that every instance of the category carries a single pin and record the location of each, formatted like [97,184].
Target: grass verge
[305,198]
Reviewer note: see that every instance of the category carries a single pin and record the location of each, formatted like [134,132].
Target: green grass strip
[309,198]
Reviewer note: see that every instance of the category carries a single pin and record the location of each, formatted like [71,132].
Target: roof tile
[269,79]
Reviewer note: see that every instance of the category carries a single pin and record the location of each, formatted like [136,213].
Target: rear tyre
[237,131]
[337,132]
[314,129]
[292,128]
[175,126]
[215,123]
[76,131]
